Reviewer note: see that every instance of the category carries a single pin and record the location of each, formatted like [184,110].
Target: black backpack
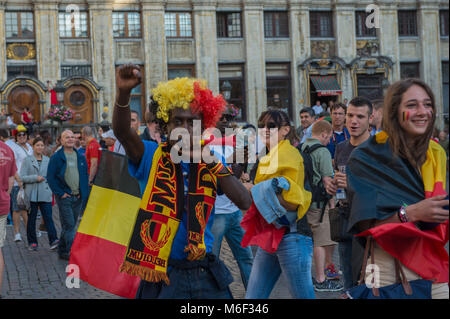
[319,194]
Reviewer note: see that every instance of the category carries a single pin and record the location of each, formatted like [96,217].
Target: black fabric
[339,223]
[121,181]
[378,183]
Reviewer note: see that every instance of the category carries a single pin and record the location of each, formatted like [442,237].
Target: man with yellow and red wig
[170,247]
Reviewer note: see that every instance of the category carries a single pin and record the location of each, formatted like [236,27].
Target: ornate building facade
[279,53]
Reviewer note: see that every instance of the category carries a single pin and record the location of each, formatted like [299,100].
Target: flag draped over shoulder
[284,160]
[102,238]
[379,184]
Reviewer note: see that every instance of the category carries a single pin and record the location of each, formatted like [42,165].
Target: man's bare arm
[127,77]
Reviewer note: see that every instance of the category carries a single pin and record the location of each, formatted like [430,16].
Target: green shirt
[72,176]
[321,159]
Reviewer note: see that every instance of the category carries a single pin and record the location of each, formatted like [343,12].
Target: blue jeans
[46,211]
[229,225]
[69,210]
[204,279]
[345,260]
[294,258]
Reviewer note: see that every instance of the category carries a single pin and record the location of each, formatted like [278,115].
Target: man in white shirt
[21,150]
[228,217]
[317,108]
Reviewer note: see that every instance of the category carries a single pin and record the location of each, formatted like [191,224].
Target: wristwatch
[402,214]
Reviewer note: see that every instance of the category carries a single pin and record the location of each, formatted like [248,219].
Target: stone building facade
[279,53]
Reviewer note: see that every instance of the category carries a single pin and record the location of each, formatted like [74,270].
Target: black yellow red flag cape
[102,238]
[379,184]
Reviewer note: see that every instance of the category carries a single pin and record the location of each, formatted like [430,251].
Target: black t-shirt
[343,151]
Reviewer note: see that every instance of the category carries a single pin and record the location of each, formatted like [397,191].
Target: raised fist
[128,76]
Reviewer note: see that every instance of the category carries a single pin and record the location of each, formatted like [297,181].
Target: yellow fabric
[284,160]
[110,215]
[434,169]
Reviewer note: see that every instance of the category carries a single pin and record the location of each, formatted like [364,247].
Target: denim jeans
[345,260]
[204,279]
[294,258]
[46,212]
[69,210]
[229,225]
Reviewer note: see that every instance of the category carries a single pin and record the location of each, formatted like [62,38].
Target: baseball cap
[109,134]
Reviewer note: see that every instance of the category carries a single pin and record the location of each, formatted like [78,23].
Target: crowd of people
[376,162]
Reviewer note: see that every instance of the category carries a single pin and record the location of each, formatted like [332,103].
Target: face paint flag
[102,238]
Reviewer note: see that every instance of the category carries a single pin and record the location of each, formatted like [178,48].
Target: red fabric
[26,119]
[93,150]
[53,99]
[421,251]
[227,140]
[258,232]
[99,261]
[7,169]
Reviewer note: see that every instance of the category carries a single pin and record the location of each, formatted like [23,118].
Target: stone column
[205,35]
[255,68]
[388,35]
[3,71]
[300,51]
[345,34]
[47,41]
[430,68]
[304,52]
[155,55]
[102,44]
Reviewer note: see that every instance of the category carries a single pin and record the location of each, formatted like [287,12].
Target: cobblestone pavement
[41,274]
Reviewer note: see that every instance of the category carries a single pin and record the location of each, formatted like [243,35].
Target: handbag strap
[364,265]
[405,283]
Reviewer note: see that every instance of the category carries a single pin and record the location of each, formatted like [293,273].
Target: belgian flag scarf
[160,214]
[379,183]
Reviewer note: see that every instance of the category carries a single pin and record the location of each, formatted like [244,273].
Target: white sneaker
[38,234]
[17,237]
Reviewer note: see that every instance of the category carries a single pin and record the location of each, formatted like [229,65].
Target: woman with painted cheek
[397,186]
[289,246]
[33,174]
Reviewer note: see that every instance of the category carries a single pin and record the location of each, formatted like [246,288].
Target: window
[137,98]
[276,25]
[234,75]
[321,24]
[28,70]
[126,24]
[278,82]
[180,71]
[80,70]
[19,24]
[361,29]
[73,26]
[229,25]
[445,88]
[407,23]
[443,21]
[409,70]
[370,86]
[178,25]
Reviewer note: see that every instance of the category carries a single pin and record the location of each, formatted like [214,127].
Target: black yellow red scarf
[160,213]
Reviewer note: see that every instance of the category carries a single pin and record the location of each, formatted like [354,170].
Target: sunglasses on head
[269,125]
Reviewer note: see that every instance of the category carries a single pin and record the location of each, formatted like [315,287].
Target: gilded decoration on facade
[322,49]
[20,51]
[365,48]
